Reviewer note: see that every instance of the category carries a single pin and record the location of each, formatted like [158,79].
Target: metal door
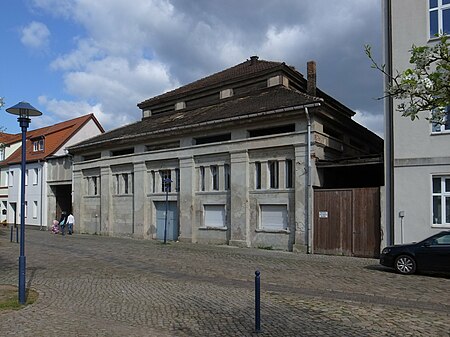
[172,220]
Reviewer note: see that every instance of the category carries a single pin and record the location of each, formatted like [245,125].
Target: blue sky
[72,57]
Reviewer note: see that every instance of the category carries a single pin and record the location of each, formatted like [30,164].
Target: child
[55,227]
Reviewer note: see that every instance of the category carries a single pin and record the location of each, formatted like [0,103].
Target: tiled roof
[8,138]
[55,136]
[268,99]
[242,70]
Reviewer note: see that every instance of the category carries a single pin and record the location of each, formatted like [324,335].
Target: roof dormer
[226,93]
[180,105]
[278,80]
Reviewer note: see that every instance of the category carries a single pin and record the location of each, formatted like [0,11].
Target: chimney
[253,59]
[311,78]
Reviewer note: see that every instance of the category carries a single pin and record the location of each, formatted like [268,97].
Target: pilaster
[240,210]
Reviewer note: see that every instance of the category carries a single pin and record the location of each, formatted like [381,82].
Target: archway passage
[63,194]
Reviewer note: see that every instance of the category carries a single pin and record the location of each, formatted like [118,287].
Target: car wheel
[405,264]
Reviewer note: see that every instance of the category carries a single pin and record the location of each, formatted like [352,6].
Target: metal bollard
[257,303]
[17,234]
[11,233]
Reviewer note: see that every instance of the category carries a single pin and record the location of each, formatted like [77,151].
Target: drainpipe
[388,126]
[308,182]
[42,190]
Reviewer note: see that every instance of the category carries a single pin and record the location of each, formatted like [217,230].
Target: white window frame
[11,178]
[26,210]
[439,9]
[443,194]
[38,145]
[36,176]
[445,126]
[26,177]
[35,209]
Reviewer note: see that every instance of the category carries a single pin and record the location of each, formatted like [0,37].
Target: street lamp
[167,182]
[24,110]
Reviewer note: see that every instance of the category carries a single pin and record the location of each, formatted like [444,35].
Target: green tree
[425,86]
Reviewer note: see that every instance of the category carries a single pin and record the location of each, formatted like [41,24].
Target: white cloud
[65,110]
[374,123]
[36,35]
[131,52]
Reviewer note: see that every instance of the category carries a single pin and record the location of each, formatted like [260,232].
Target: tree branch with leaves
[423,87]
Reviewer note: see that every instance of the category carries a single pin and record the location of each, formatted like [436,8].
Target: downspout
[308,182]
[389,123]
[42,192]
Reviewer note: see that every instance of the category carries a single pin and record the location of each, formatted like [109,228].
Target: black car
[432,254]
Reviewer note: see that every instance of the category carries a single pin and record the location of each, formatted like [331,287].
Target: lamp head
[24,110]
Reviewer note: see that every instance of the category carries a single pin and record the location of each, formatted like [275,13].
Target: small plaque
[323,214]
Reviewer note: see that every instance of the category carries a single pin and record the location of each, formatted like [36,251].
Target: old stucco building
[241,148]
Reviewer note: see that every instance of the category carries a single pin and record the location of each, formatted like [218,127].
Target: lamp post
[167,182]
[24,110]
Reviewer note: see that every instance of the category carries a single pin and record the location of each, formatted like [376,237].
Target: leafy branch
[423,87]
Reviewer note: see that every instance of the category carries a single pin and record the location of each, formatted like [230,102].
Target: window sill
[439,133]
[209,228]
[273,231]
[274,191]
[91,196]
[211,192]
[443,226]
[162,194]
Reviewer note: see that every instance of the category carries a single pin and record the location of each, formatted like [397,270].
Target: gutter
[206,123]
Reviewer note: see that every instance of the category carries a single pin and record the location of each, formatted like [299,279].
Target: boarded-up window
[274,217]
[214,216]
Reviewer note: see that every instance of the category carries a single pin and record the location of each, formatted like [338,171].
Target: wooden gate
[347,222]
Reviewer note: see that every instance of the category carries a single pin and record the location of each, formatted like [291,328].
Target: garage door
[274,217]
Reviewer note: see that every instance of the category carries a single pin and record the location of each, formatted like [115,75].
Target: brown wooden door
[332,222]
[347,222]
[366,222]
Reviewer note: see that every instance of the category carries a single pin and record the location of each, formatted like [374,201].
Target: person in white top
[70,222]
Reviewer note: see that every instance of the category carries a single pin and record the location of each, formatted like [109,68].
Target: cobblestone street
[103,286]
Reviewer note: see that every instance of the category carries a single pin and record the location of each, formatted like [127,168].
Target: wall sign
[323,214]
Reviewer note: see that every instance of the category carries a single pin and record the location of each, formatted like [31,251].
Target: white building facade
[421,150]
[48,173]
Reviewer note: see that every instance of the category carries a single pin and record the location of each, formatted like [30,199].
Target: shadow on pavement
[392,271]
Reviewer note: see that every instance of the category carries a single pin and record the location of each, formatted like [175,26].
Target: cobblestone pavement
[103,286]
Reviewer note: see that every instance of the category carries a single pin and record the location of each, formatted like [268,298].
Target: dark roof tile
[264,100]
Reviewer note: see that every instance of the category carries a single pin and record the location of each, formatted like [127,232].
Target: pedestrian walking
[70,222]
[62,222]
